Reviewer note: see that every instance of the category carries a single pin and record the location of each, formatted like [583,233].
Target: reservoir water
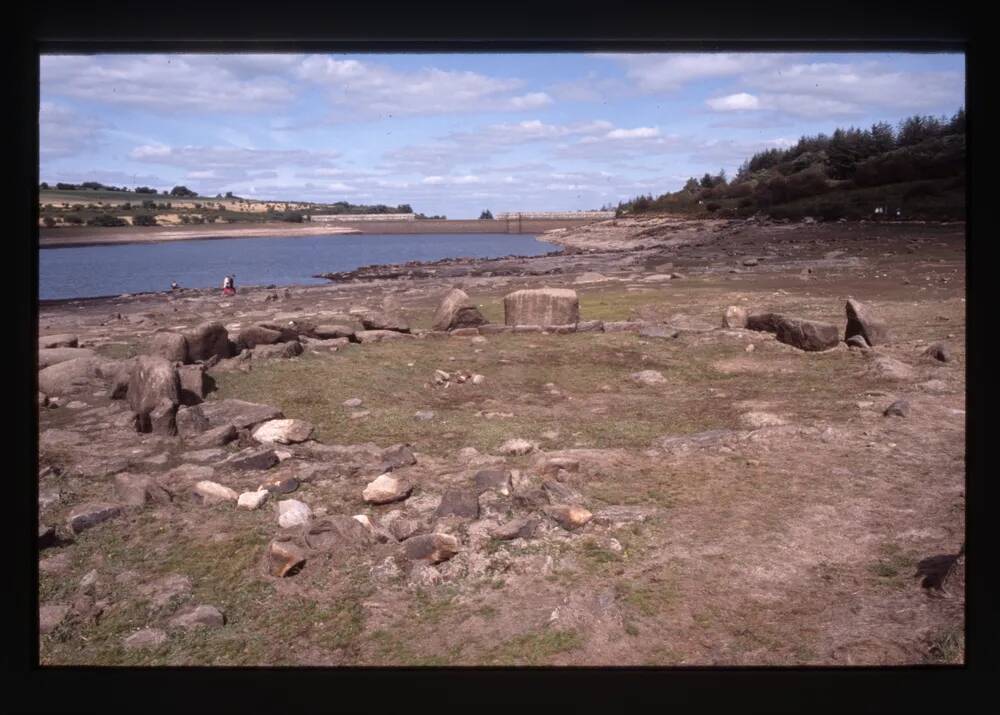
[89,271]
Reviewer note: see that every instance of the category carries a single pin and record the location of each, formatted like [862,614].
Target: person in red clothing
[229,285]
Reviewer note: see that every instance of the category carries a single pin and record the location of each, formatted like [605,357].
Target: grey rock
[138,489]
[208,340]
[64,340]
[764,322]
[858,341]
[431,548]
[658,331]
[861,321]
[146,638]
[290,349]
[258,458]
[238,413]
[899,408]
[459,502]
[215,437]
[520,528]
[337,534]
[807,335]
[939,351]
[191,421]
[53,356]
[90,514]
[284,557]
[169,346]
[496,479]
[50,616]
[542,307]
[457,311]
[199,617]
[193,384]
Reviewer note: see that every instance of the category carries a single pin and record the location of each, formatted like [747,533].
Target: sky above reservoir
[455,134]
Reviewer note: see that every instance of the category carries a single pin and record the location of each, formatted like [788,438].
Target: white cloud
[669,72]
[199,158]
[734,102]
[63,132]
[171,82]
[637,133]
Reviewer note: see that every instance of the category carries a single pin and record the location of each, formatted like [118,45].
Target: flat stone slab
[238,413]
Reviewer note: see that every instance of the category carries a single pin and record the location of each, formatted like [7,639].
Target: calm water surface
[135,268]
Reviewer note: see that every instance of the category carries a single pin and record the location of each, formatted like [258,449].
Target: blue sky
[458,133]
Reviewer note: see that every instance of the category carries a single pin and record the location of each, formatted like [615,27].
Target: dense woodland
[915,170]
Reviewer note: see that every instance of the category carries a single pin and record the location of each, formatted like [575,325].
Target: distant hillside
[93,204]
[916,171]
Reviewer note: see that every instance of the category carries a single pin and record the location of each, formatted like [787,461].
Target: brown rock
[238,413]
[137,489]
[765,322]
[337,533]
[152,380]
[199,617]
[378,336]
[457,311]
[169,346]
[162,419]
[284,557]
[254,335]
[735,317]
[215,437]
[861,321]
[807,335]
[53,356]
[208,340]
[459,502]
[330,332]
[522,528]
[72,376]
[193,385]
[432,548]
[290,349]
[568,516]
[497,479]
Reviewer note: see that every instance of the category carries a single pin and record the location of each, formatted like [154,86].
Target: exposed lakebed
[134,268]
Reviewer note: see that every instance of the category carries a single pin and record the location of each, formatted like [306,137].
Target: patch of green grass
[596,558]
[946,645]
[647,598]
[894,566]
[534,648]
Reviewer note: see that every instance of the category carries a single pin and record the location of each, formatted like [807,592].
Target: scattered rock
[72,376]
[517,447]
[215,437]
[623,326]
[887,368]
[459,502]
[281,485]
[337,534]
[283,431]
[899,408]
[284,557]
[85,516]
[146,638]
[765,322]
[861,321]
[649,377]
[193,385]
[496,479]
[735,317]
[457,311]
[590,326]
[385,489]
[154,385]
[137,489]
[292,512]
[50,616]
[542,306]
[254,335]
[332,332]
[353,402]
[199,617]
[208,492]
[282,351]
[939,351]
[520,528]
[259,458]
[424,415]
[658,331]
[64,340]
[240,414]
[568,516]
[431,548]
[378,336]
[252,500]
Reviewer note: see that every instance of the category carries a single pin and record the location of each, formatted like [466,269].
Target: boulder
[72,376]
[384,321]
[290,349]
[53,356]
[887,368]
[735,317]
[431,548]
[64,340]
[153,380]
[254,335]
[858,341]
[400,527]
[459,502]
[193,385]
[138,489]
[208,340]
[807,334]
[385,489]
[85,516]
[396,456]
[199,617]
[457,311]
[292,512]
[208,492]
[283,431]
[764,322]
[861,321]
[285,332]
[284,557]
[240,414]
[542,306]
[568,516]
[169,346]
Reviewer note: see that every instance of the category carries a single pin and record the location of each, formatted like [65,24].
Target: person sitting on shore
[173,285]
[228,286]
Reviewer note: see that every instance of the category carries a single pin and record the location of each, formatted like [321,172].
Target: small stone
[899,408]
[517,447]
[649,377]
[199,617]
[568,516]
[353,402]
[432,548]
[283,431]
[292,512]
[213,493]
[521,528]
[252,500]
[385,489]
[146,638]
[735,317]
[424,415]
[253,458]
[459,502]
[281,485]
[937,351]
[91,514]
